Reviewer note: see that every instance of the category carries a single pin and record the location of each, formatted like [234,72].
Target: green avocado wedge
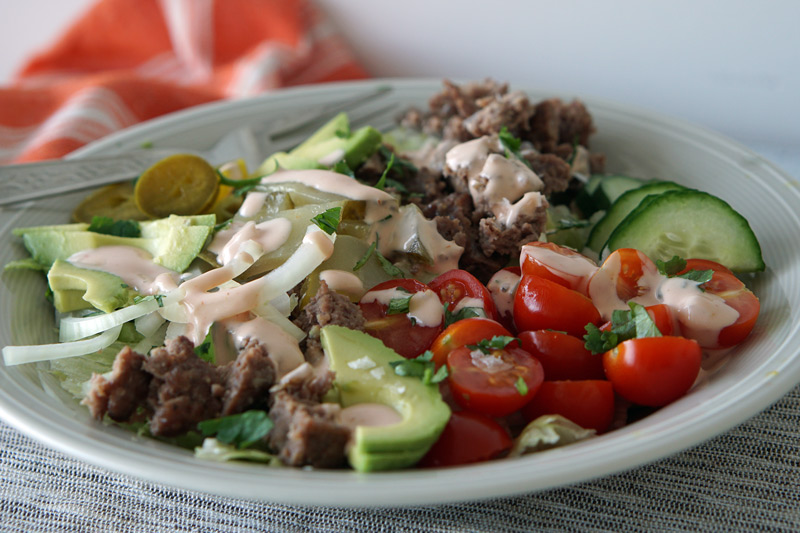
[364,375]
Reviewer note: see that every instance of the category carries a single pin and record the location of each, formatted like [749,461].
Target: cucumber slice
[689,224]
[603,190]
[626,203]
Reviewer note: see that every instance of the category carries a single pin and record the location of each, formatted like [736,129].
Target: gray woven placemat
[744,480]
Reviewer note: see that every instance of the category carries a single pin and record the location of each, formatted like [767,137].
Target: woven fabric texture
[744,480]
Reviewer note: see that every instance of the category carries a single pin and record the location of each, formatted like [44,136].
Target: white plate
[639,143]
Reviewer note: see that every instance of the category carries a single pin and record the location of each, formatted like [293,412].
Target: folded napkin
[125,61]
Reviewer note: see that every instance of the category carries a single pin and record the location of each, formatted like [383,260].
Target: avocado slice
[173,242]
[335,127]
[286,161]
[79,288]
[355,148]
[424,413]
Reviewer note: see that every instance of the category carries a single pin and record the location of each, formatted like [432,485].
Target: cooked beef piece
[554,171]
[250,377]
[511,110]
[555,122]
[178,389]
[184,390]
[326,307]
[496,238]
[307,433]
[464,100]
[123,391]
[307,383]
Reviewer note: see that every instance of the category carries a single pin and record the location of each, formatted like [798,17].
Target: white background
[733,66]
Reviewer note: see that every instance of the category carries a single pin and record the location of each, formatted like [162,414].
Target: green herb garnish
[461,314]
[118,228]
[421,367]
[205,350]
[364,258]
[398,306]
[388,267]
[341,167]
[634,324]
[382,182]
[242,430]
[521,386]
[498,342]
[671,268]
[329,220]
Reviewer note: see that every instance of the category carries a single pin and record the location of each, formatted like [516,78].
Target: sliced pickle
[181,184]
[114,201]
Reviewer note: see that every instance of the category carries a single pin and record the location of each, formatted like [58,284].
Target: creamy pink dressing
[408,230]
[343,282]
[369,414]
[379,204]
[701,315]
[283,349]
[503,286]
[424,307]
[252,204]
[133,265]
[270,235]
[577,269]
[496,183]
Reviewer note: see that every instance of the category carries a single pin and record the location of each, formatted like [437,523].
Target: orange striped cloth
[125,61]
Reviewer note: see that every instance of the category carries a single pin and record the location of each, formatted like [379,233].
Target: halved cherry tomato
[562,356]
[653,371]
[736,295]
[467,438]
[624,275]
[458,286]
[544,304]
[503,287]
[663,317]
[588,403]
[494,384]
[463,332]
[400,332]
[557,263]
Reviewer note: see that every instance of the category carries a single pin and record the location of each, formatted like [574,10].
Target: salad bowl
[636,142]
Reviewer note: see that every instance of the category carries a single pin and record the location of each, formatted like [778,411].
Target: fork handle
[31,181]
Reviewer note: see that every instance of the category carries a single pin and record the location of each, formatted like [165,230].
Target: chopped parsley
[399,161]
[389,267]
[671,268]
[511,145]
[242,430]
[498,342]
[341,167]
[398,306]
[157,297]
[521,386]
[633,324]
[421,367]
[118,228]
[382,181]
[364,258]
[205,350]
[465,312]
[329,220]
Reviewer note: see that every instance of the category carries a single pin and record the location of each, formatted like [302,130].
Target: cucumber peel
[690,224]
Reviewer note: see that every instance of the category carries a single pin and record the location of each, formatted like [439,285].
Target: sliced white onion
[148,324]
[276,317]
[15,355]
[316,247]
[71,329]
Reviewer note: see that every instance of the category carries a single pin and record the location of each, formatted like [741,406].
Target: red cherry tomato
[463,332]
[558,264]
[503,286]
[736,295]
[562,356]
[589,403]
[494,384]
[467,438]
[653,371]
[544,304]
[455,285]
[399,331]
[625,274]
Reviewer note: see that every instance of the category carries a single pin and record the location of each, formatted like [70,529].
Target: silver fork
[32,181]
